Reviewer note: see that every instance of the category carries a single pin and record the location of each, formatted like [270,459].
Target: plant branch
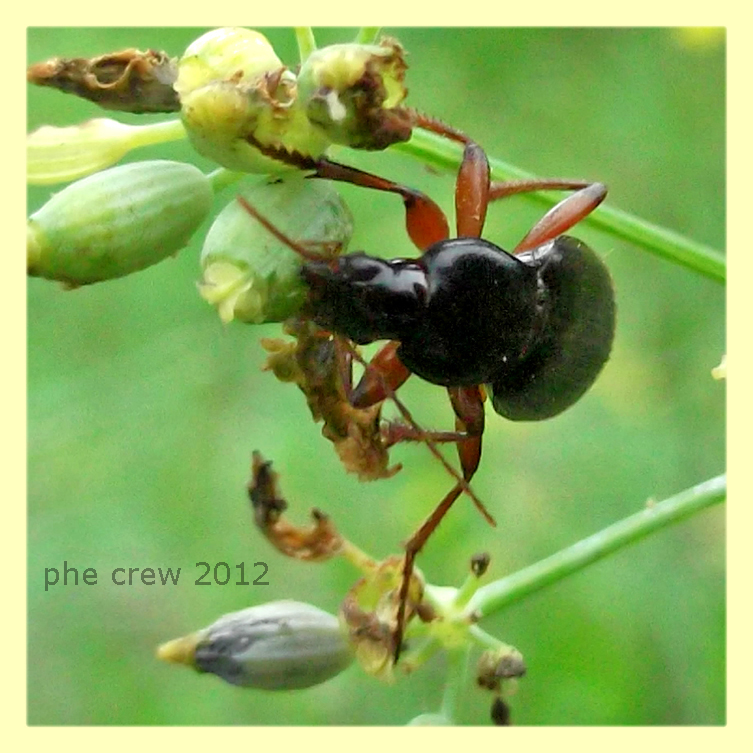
[304,35]
[439,152]
[457,663]
[494,596]
[367,35]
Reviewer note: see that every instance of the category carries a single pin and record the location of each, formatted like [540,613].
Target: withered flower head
[353,92]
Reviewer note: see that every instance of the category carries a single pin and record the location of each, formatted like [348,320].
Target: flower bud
[57,155]
[248,273]
[236,96]
[353,92]
[222,54]
[117,221]
[282,645]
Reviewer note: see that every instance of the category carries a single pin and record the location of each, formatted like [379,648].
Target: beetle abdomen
[575,339]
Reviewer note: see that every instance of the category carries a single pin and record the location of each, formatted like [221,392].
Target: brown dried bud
[129,81]
[316,543]
[480,563]
[496,665]
[500,713]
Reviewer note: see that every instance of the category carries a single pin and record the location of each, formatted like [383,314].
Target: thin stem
[439,152]
[358,558]
[304,35]
[156,133]
[494,596]
[414,658]
[457,663]
[485,640]
[466,591]
[368,34]
[222,177]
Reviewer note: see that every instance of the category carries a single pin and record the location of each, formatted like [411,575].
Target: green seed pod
[250,275]
[118,221]
[283,645]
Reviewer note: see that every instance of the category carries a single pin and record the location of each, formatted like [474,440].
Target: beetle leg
[424,220]
[472,192]
[472,185]
[560,218]
[412,548]
[505,188]
[468,404]
[380,387]
[384,374]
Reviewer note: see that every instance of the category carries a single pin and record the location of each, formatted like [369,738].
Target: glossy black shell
[536,328]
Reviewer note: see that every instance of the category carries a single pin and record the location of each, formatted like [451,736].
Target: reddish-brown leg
[468,404]
[383,384]
[502,189]
[472,185]
[472,192]
[424,220]
[561,217]
[384,374]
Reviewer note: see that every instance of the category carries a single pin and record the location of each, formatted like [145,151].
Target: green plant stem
[457,663]
[156,133]
[306,42]
[222,177]
[439,152]
[368,34]
[482,638]
[494,596]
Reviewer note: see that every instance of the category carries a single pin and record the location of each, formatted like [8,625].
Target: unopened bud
[283,645]
[237,98]
[353,92]
[220,54]
[249,274]
[57,155]
[118,221]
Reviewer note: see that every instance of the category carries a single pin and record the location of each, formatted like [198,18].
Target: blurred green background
[143,411]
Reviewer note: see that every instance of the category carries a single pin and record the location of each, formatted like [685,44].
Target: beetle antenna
[294,245]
